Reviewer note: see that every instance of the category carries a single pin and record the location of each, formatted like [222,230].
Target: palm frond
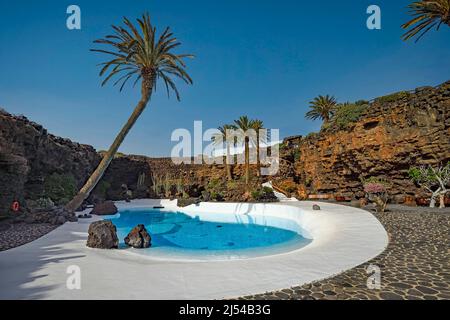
[322,107]
[427,15]
[137,56]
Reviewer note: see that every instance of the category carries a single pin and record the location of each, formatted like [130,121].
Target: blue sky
[265,59]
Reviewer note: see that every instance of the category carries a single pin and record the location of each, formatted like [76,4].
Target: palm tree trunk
[227,164]
[90,184]
[258,162]
[235,155]
[247,161]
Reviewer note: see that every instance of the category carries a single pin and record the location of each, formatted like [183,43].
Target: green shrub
[282,146]
[348,113]
[312,135]
[362,102]
[393,97]
[376,180]
[179,185]
[213,184]
[434,180]
[308,182]
[167,184]
[59,187]
[326,126]
[257,194]
[216,196]
[232,185]
[297,154]
[264,193]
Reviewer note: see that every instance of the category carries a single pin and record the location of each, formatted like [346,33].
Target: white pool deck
[343,237]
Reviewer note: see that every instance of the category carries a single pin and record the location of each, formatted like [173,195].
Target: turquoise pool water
[176,232]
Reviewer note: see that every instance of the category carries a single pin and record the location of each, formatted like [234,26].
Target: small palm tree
[138,54]
[322,107]
[427,14]
[244,124]
[223,137]
[258,125]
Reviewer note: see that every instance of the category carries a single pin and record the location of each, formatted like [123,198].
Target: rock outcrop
[102,235]
[29,155]
[55,216]
[138,237]
[130,171]
[389,138]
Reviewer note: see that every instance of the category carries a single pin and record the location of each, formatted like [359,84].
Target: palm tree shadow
[21,267]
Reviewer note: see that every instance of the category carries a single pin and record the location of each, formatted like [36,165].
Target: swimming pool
[215,235]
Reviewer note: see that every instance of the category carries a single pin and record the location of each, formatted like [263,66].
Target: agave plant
[258,125]
[138,54]
[427,14]
[322,107]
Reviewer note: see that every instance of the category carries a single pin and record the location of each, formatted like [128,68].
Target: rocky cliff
[31,158]
[36,165]
[29,154]
[392,134]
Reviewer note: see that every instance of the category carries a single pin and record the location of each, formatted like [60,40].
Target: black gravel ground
[415,265]
[17,234]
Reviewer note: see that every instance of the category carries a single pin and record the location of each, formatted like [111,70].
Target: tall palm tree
[244,124]
[427,14]
[258,125]
[223,137]
[137,53]
[322,107]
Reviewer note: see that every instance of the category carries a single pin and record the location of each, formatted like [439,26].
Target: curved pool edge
[343,237]
[328,228]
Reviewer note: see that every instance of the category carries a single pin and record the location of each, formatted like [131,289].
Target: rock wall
[192,177]
[29,154]
[389,138]
[124,171]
